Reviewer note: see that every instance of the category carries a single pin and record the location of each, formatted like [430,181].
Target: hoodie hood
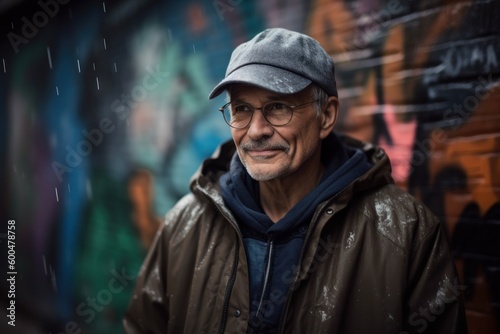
[206,180]
[241,192]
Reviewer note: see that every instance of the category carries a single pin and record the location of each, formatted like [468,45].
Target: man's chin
[259,174]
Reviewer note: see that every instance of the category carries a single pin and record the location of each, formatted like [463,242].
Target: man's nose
[259,126]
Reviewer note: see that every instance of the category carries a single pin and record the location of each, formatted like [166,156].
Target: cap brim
[264,76]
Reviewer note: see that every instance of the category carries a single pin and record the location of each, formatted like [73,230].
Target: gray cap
[281,61]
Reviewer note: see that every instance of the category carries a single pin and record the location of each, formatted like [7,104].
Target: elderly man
[291,228]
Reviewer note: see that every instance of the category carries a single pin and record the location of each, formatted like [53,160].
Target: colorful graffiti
[105,117]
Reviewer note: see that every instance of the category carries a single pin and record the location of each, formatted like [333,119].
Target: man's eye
[276,106]
[242,108]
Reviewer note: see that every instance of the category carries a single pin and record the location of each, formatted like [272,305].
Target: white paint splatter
[350,240]
[324,315]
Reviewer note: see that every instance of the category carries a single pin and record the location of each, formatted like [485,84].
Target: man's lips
[263,153]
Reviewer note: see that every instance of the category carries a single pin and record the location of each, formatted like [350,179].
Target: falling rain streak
[97,81]
[50,57]
[194,49]
[88,188]
[52,275]
[78,63]
[57,91]
[115,67]
[53,279]
[104,41]
[4,68]
[104,6]
[45,265]
[57,195]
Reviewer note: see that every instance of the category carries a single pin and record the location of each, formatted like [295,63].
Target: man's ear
[329,116]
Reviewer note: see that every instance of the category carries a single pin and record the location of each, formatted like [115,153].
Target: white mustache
[264,145]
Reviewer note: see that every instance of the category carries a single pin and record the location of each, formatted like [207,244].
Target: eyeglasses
[238,115]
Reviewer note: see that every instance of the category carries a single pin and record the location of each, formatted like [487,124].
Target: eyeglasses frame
[292,108]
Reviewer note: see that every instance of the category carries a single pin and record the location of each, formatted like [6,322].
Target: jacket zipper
[292,286]
[232,279]
[229,287]
[266,277]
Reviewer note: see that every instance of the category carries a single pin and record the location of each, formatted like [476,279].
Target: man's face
[271,152]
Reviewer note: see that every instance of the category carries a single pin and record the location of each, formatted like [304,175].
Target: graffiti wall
[105,117]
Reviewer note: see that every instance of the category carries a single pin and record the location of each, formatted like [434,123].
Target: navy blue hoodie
[273,249]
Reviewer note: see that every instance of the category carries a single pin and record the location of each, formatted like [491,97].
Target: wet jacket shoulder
[374,260]
[183,282]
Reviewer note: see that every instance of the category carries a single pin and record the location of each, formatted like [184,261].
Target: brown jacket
[374,260]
